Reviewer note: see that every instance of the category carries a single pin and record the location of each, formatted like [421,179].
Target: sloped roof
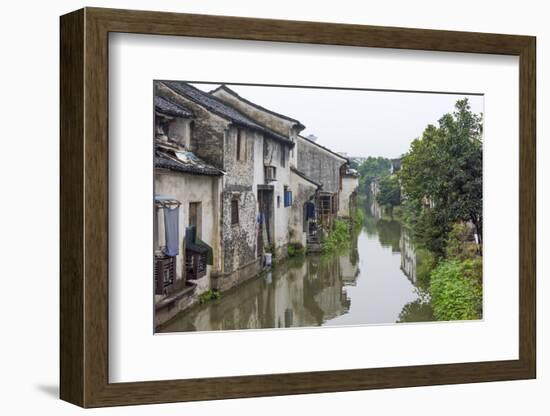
[222,109]
[305,177]
[324,148]
[180,160]
[259,107]
[165,106]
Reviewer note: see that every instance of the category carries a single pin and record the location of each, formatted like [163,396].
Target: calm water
[372,282]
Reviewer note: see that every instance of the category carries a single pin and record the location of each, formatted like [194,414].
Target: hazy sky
[359,123]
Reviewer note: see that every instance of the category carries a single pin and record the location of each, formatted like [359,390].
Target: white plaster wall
[193,188]
[301,190]
[349,184]
[282,213]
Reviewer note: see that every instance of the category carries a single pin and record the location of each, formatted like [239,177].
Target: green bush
[358,219]
[209,295]
[295,250]
[456,290]
[338,237]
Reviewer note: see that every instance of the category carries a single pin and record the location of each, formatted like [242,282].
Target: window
[234,211]
[241,145]
[278,201]
[282,151]
[287,197]
[195,216]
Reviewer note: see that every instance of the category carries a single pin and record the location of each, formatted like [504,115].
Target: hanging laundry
[171,231]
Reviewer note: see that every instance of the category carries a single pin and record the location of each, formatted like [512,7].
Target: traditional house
[348,192]
[186,212]
[297,190]
[254,159]
[327,168]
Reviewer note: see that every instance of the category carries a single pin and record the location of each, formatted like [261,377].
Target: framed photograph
[255,207]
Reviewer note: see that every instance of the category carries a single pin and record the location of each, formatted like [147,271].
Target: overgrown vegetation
[456,290]
[437,195]
[358,219]
[372,167]
[338,237]
[389,194]
[209,295]
[295,250]
[442,177]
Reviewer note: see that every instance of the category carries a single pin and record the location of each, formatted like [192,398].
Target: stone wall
[207,128]
[319,164]
[239,240]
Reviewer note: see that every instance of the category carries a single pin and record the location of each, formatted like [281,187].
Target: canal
[376,280]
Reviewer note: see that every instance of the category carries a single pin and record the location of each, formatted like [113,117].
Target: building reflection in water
[374,280]
[301,292]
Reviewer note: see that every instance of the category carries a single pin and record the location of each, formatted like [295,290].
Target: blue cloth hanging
[171,231]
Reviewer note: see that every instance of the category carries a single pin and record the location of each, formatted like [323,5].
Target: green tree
[441,176]
[372,167]
[390,192]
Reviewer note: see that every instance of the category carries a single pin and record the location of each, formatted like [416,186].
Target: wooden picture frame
[84,207]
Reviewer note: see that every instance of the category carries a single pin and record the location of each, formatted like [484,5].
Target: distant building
[395,165]
[348,193]
[324,167]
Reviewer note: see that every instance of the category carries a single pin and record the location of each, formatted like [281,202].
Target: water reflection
[374,281]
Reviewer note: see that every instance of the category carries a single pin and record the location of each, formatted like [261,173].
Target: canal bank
[372,281]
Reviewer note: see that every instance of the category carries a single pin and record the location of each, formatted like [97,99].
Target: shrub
[338,237]
[459,243]
[295,250]
[456,290]
[209,295]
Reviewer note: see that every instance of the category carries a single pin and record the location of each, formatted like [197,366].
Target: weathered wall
[239,240]
[276,123]
[180,131]
[279,124]
[319,164]
[188,188]
[302,190]
[349,185]
[272,157]
[208,128]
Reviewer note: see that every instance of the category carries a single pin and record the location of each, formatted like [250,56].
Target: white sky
[359,123]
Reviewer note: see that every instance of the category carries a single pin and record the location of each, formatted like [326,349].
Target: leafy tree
[371,168]
[441,176]
[390,192]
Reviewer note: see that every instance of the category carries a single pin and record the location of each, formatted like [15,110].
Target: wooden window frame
[235,210]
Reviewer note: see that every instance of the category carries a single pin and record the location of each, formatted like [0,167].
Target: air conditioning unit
[270,174]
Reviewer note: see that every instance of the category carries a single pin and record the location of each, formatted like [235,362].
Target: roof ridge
[324,148]
[236,94]
[252,123]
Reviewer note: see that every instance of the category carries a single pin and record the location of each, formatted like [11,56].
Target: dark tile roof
[217,106]
[165,106]
[180,160]
[324,148]
[267,110]
[304,176]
